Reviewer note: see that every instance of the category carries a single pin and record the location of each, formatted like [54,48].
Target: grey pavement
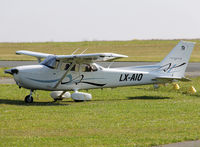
[183,144]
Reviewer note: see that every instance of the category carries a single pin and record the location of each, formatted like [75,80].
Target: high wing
[34,54]
[38,55]
[78,58]
[88,58]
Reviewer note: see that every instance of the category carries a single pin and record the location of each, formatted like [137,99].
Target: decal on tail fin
[176,61]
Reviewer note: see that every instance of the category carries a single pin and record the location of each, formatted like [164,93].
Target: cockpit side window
[65,66]
[88,68]
[76,67]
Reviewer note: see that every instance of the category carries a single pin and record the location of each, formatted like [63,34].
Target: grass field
[2,74]
[128,116]
[137,50]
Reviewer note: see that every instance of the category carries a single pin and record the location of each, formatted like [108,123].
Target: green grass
[2,74]
[137,50]
[127,116]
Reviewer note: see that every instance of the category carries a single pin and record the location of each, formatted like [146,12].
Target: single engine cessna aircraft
[63,73]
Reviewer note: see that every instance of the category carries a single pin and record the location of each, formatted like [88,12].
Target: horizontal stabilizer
[165,79]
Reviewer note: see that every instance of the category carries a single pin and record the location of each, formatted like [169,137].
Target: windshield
[50,62]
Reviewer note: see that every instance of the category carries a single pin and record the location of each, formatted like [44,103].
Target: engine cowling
[56,95]
[81,96]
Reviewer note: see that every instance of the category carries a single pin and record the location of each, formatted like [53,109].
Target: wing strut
[84,51]
[73,63]
[75,51]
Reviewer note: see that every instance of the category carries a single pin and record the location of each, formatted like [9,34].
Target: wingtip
[20,52]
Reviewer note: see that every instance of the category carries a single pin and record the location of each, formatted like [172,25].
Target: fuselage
[41,77]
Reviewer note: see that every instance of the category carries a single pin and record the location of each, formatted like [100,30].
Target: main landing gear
[29,98]
[59,95]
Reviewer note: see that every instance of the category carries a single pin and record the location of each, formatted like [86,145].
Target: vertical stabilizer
[176,61]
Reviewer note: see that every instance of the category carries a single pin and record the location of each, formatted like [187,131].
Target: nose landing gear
[29,98]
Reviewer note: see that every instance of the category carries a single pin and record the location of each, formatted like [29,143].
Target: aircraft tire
[28,99]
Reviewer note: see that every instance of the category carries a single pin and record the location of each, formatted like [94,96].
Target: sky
[88,20]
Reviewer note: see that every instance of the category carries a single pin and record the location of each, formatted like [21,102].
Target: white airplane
[63,73]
